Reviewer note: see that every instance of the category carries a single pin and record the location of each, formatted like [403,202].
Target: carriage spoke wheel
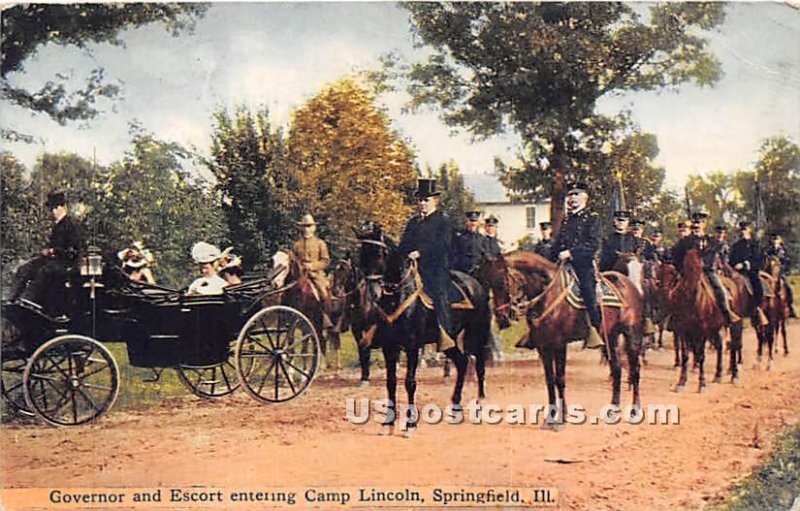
[210,381]
[71,380]
[12,385]
[280,351]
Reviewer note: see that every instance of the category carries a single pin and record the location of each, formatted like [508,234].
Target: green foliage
[28,27]
[455,199]
[778,169]
[249,162]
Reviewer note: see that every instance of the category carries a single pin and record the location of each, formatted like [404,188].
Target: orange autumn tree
[349,165]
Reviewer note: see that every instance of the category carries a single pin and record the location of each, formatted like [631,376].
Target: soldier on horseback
[468,245]
[312,256]
[654,251]
[577,243]
[545,245]
[746,259]
[721,236]
[637,231]
[709,249]
[777,249]
[618,243]
[427,239]
[491,245]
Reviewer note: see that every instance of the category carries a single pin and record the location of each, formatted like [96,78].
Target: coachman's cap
[492,220]
[56,199]
[426,188]
[577,187]
[473,215]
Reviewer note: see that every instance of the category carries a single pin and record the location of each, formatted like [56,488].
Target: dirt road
[237,443]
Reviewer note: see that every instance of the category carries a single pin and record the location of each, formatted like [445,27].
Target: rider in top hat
[468,245]
[313,256]
[61,252]
[745,257]
[491,245]
[777,249]
[619,242]
[709,250]
[577,243]
[545,245]
[427,239]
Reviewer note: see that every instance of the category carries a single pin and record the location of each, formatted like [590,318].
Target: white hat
[203,253]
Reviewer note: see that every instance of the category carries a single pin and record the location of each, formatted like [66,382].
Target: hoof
[553,426]
[363,383]
[769,365]
[660,349]
[386,430]
[410,432]
[678,389]
[785,353]
[735,381]
[717,379]
[701,389]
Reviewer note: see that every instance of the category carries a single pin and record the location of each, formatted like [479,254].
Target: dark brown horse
[348,296]
[696,318]
[773,305]
[302,295]
[533,284]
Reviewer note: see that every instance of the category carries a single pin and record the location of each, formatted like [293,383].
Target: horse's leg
[616,370]
[770,343]
[760,342]
[391,354]
[461,362]
[633,347]
[412,414]
[364,356]
[446,368]
[548,360]
[716,340]
[661,335]
[683,349]
[736,350]
[700,361]
[561,384]
[676,342]
[480,369]
[782,326]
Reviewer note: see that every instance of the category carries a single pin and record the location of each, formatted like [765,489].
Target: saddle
[457,294]
[730,288]
[609,296]
[767,283]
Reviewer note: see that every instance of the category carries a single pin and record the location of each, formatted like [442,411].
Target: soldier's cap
[56,199]
[306,220]
[545,225]
[577,187]
[492,220]
[426,188]
[473,215]
[656,233]
[681,225]
[744,224]
[699,216]
[636,224]
[622,214]
[720,228]
[203,253]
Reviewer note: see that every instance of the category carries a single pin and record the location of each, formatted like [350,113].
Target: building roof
[485,187]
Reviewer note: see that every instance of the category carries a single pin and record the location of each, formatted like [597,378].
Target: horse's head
[378,260]
[344,278]
[495,274]
[772,265]
[692,265]
[666,276]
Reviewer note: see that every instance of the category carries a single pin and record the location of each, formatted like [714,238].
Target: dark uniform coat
[491,247]
[544,248]
[614,245]
[708,246]
[747,253]
[468,250]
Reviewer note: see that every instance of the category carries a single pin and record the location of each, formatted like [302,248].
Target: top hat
[56,199]
[306,220]
[426,188]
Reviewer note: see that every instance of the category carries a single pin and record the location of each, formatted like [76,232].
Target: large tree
[778,171]
[28,27]
[248,160]
[456,199]
[540,68]
[349,164]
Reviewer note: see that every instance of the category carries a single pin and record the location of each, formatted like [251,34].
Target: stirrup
[593,340]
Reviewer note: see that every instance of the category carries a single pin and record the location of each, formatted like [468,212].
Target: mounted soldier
[468,245]
[577,244]
[491,245]
[312,257]
[778,250]
[619,243]
[746,258]
[721,237]
[545,245]
[427,239]
[654,251]
[62,251]
[709,249]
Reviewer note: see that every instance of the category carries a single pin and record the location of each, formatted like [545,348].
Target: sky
[282,54]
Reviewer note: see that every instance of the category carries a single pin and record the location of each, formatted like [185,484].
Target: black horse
[401,320]
[348,293]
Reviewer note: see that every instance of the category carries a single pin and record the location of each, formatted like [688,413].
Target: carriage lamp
[92,265]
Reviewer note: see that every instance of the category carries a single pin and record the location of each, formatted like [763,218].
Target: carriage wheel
[280,351]
[12,385]
[210,381]
[71,380]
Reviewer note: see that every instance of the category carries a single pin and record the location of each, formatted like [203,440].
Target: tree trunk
[559,188]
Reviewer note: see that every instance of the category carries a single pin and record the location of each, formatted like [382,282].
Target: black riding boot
[722,297]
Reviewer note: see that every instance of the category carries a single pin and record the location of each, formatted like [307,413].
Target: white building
[517,219]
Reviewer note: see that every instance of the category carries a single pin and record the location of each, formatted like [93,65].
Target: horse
[773,306]
[348,293]
[696,317]
[396,308]
[527,281]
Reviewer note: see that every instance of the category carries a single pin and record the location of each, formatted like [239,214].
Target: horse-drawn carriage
[55,366]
